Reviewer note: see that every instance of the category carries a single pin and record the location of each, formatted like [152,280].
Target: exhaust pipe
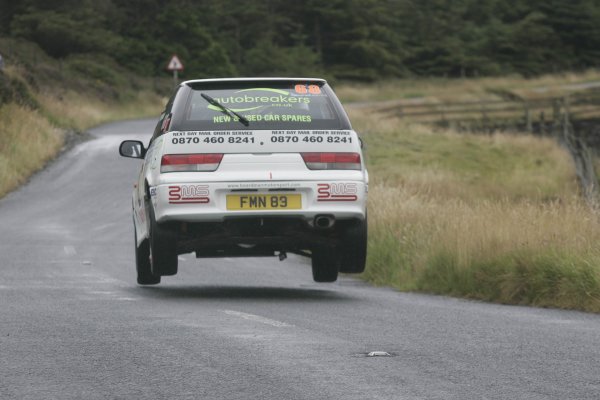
[324,221]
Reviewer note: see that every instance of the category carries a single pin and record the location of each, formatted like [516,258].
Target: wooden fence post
[528,122]
[583,157]
[485,124]
[556,111]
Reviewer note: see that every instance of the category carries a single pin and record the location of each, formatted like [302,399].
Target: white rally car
[251,167]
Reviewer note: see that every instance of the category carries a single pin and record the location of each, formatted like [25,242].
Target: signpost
[175,65]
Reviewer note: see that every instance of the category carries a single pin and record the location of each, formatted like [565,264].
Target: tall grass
[30,138]
[495,218]
[80,111]
[27,141]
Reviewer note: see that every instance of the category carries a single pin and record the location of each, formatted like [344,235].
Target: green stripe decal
[215,108]
[278,91]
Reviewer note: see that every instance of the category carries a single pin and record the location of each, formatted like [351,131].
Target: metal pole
[175,80]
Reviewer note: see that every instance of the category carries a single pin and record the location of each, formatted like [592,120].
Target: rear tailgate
[260,163]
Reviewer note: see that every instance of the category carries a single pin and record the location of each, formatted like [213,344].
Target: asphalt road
[74,324]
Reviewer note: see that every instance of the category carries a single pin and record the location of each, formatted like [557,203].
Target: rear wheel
[142,263]
[325,264]
[354,248]
[162,246]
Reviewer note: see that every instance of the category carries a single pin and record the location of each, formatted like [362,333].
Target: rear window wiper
[226,110]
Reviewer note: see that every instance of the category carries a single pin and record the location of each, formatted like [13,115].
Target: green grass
[465,166]
[549,278]
[495,218]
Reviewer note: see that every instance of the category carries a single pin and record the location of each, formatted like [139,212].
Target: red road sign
[175,64]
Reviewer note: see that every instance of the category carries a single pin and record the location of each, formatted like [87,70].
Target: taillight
[332,160]
[190,162]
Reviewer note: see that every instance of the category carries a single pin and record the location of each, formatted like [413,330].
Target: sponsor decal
[263,185]
[272,97]
[336,192]
[284,105]
[217,139]
[267,117]
[189,194]
[152,192]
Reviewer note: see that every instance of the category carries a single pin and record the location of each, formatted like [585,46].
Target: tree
[351,39]
[63,30]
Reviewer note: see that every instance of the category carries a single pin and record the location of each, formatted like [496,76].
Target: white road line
[70,250]
[257,318]
[126,298]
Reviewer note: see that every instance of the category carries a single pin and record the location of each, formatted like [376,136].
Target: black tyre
[142,263]
[163,247]
[325,265]
[354,248]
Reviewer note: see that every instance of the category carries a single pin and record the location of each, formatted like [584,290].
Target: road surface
[74,324]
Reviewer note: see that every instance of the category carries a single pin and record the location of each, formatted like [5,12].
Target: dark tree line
[352,39]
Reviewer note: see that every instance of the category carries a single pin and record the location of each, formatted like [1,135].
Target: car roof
[254,80]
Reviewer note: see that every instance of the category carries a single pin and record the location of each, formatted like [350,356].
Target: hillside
[44,101]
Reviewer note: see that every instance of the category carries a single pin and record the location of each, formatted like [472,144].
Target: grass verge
[495,218]
[27,141]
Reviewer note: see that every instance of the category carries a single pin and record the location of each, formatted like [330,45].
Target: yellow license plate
[264,202]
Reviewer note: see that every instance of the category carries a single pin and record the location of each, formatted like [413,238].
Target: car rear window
[266,105]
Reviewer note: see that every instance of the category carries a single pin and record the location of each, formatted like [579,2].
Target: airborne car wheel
[325,264]
[354,248]
[142,263]
[163,248]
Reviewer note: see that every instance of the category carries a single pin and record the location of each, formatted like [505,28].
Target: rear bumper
[206,202]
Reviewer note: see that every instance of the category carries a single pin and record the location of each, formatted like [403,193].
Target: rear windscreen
[266,105]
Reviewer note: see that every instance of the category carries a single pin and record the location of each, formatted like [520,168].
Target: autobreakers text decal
[337,192]
[263,96]
[189,194]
